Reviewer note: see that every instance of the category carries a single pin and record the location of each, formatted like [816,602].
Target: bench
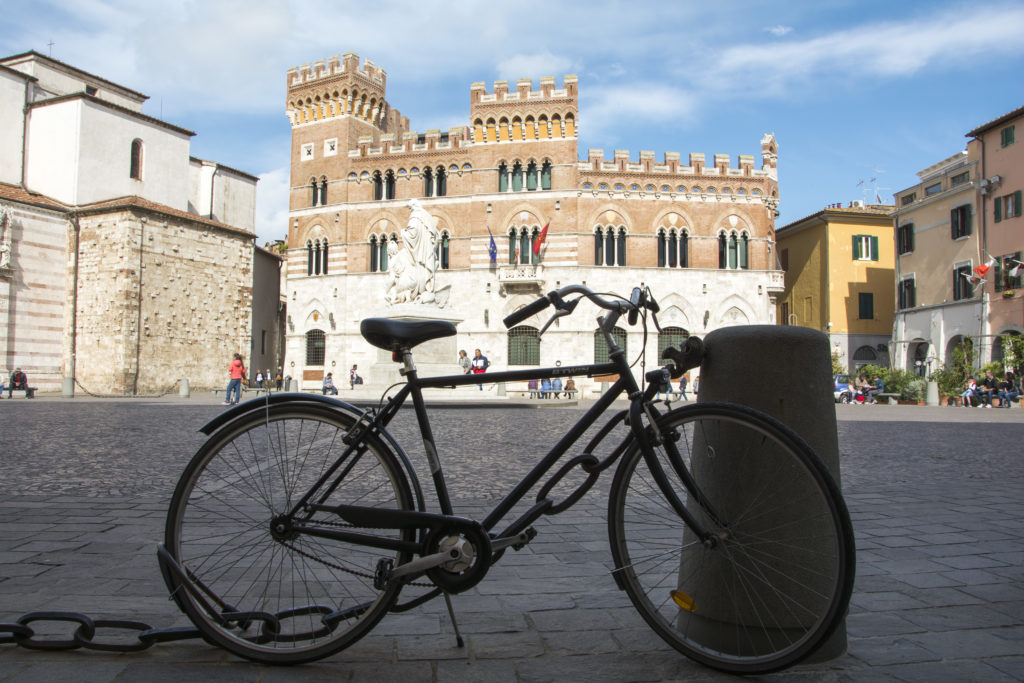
[890,399]
[246,390]
[29,393]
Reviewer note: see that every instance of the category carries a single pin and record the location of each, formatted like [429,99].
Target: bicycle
[297,524]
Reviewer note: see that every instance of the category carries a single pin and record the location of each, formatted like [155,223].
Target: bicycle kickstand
[455,625]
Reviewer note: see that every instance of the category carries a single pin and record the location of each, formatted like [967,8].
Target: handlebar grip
[516,317]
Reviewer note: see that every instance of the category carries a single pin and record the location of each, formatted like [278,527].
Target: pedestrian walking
[237,371]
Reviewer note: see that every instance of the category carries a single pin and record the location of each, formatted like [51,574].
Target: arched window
[865,355]
[744,251]
[662,248]
[531,176]
[684,249]
[378,186]
[379,253]
[428,182]
[733,252]
[671,336]
[442,182]
[317,264]
[323,191]
[517,177]
[309,257]
[389,185]
[315,196]
[722,252]
[520,244]
[503,177]
[315,345]
[523,346]
[323,248]
[610,246]
[135,167]
[601,350]
[443,250]
[545,176]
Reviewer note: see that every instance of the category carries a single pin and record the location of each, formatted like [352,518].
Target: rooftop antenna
[870,188]
[50,45]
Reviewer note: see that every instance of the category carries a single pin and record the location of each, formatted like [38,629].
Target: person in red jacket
[237,370]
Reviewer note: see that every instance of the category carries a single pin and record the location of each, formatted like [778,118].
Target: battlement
[671,163]
[411,142]
[523,91]
[336,66]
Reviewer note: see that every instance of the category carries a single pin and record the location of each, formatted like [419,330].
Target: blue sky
[852,90]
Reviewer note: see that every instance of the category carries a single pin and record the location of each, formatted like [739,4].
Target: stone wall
[160,297]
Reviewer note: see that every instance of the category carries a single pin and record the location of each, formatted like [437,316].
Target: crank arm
[424,563]
[520,539]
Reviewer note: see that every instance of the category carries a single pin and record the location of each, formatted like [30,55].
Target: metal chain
[20,633]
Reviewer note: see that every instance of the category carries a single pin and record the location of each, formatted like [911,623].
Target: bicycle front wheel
[304,597]
[771,578]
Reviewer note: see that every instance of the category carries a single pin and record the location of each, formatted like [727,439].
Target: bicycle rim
[773,581]
[307,597]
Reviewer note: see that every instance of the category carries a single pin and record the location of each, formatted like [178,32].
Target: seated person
[861,387]
[556,386]
[969,392]
[328,385]
[665,385]
[19,380]
[1008,390]
[545,388]
[570,385]
[531,385]
[988,389]
[873,392]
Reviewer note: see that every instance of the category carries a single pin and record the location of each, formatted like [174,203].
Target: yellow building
[840,265]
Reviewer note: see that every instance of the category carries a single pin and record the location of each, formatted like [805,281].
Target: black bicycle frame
[414,386]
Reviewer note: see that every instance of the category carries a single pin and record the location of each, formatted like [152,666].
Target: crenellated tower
[332,105]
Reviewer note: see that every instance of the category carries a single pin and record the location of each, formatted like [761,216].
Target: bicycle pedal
[530,533]
[382,575]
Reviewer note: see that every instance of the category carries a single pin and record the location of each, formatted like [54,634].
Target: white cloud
[272,205]
[534,65]
[778,30]
[606,108]
[888,49]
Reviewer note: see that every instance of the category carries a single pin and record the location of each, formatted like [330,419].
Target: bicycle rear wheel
[772,580]
[305,597]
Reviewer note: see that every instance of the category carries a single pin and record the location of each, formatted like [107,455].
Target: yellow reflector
[684,601]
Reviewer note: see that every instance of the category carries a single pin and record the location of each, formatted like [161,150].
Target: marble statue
[411,271]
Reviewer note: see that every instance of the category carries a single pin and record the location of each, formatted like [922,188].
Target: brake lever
[564,308]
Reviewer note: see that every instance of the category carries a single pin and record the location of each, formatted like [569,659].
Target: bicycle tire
[774,581]
[321,591]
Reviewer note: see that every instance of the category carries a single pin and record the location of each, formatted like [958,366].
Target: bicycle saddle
[393,335]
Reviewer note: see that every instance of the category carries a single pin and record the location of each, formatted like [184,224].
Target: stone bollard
[67,387]
[785,372]
[932,395]
[183,388]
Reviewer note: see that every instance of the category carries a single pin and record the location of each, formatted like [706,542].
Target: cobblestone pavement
[936,494]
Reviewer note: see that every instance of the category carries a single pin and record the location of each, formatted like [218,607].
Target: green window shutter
[967,220]
[874,248]
[998,275]
[856,247]
[999,209]
[1016,203]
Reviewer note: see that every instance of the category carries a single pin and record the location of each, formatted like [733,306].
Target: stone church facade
[128,263]
[699,232]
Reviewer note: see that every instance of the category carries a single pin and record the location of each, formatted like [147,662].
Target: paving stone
[940,559]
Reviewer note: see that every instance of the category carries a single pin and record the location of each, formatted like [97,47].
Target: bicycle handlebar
[557,296]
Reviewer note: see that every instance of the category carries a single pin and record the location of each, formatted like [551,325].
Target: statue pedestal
[435,357]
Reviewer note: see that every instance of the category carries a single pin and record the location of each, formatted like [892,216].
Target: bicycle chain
[347,570]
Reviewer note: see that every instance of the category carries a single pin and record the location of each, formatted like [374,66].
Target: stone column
[785,372]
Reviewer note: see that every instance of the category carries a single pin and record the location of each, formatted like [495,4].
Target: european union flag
[492,250]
